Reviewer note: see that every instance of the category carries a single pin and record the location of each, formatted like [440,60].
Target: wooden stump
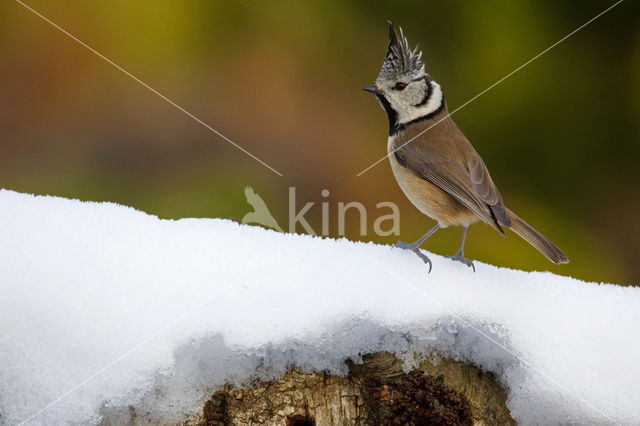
[377,392]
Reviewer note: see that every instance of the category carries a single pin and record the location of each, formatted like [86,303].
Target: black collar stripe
[427,95]
[395,129]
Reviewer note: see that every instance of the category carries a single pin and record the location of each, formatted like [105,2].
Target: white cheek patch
[407,113]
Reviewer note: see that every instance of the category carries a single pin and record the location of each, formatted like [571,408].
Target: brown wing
[448,161]
[484,187]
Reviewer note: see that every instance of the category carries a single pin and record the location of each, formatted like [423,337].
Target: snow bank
[103,306]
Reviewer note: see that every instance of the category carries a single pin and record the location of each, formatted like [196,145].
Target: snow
[104,306]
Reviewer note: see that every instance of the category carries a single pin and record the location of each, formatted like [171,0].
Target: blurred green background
[283,79]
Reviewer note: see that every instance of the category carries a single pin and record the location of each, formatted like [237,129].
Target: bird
[261,213]
[435,165]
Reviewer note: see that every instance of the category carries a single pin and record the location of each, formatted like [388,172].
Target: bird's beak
[372,89]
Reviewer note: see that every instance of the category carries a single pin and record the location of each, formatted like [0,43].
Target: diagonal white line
[147,340]
[151,89]
[494,84]
[482,333]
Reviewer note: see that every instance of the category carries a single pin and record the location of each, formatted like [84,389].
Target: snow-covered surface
[102,306]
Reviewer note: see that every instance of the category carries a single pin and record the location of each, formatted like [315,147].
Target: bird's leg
[415,246]
[459,256]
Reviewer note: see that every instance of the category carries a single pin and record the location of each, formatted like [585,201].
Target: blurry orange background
[283,79]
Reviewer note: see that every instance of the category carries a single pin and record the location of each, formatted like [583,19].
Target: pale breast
[430,199]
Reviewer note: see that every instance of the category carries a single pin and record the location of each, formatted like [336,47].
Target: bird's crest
[401,62]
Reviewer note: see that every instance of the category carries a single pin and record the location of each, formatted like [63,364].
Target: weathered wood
[376,392]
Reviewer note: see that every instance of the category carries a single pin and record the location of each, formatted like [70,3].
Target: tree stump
[376,392]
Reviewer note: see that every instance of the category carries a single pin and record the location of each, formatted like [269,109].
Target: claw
[416,250]
[459,258]
[424,258]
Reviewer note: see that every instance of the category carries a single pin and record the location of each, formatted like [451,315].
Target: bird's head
[403,88]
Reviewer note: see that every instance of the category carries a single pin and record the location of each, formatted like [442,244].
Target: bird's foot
[414,248]
[406,246]
[459,258]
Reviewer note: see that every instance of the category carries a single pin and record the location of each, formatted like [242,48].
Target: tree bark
[376,392]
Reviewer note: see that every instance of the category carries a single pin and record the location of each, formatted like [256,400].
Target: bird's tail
[536,239]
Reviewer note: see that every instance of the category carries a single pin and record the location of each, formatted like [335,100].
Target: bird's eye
[400,86]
